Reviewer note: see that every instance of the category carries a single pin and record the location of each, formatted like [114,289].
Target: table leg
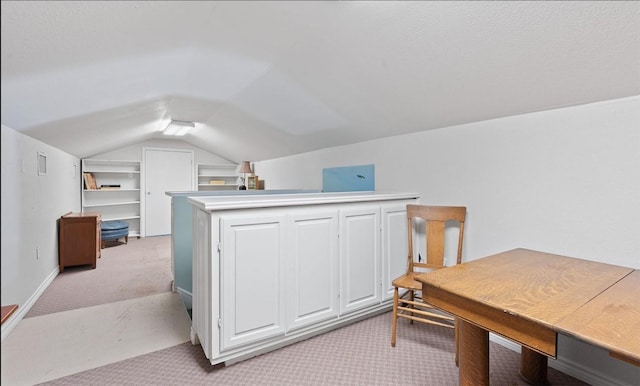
[533,367]
[474,354]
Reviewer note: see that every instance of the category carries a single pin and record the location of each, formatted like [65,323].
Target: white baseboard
[567,366]
[24,308]
[185,296]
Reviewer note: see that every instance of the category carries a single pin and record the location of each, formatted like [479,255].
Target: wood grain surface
[529,296]
[611,320]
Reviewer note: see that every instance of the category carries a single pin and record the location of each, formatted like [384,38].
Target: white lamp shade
[245,167]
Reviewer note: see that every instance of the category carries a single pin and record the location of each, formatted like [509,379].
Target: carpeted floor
[55,345]
[142,267]
[359,354]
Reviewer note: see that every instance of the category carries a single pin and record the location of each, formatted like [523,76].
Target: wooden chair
[408,305]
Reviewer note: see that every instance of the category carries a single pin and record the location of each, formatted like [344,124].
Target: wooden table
[611,320]
[529,297]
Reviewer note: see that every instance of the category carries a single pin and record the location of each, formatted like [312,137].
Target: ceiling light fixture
[178,128]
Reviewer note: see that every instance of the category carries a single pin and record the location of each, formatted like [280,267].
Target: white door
[360,258]
[252,267]
[313,268]
[165,170]
[395,246]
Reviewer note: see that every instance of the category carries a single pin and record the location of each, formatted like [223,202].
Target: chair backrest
[435,218]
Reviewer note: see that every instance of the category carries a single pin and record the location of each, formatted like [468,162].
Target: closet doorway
[165,170]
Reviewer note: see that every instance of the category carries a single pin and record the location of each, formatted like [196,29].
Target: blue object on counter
[349,178]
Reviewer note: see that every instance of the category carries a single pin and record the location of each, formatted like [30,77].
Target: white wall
[563,181]
[134,152]
[31,205]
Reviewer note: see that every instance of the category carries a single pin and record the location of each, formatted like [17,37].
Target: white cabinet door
[360,258]
[312,268]
[394,246]
[252,265]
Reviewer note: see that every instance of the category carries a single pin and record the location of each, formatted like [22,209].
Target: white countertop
[276,200]
[237,192]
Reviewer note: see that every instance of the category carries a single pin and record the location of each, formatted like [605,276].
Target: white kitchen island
[272,270]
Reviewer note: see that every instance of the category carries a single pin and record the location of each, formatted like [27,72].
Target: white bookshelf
[122,203]
[217,176]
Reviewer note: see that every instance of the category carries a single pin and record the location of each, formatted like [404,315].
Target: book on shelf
[89,181]
[216,182]
[110,187]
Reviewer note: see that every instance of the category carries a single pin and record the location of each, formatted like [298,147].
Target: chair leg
[394,317]
[457,341]
[412,296]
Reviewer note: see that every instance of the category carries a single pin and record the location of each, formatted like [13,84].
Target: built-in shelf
[217,177]
[121,203]
[112,204]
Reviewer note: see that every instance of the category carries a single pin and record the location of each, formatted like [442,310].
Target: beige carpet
[359,354]
[125,271]
[145,340]
[51,346]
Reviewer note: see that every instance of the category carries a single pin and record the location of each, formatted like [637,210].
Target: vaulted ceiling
[269,79]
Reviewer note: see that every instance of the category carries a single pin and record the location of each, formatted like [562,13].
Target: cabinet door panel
[360,258]
[251,283]
[313,268]
[394,246]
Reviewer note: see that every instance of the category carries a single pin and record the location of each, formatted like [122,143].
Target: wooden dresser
[79,239]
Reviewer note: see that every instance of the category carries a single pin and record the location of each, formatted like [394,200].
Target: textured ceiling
[270,79]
